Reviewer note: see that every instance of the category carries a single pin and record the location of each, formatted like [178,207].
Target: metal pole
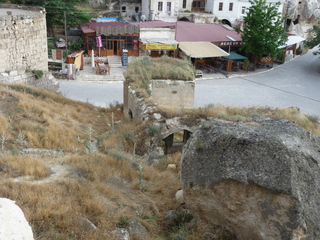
[65,31]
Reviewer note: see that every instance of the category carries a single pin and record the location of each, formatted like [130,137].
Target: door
[117,47]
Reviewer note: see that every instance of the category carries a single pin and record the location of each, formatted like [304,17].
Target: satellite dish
[143,18]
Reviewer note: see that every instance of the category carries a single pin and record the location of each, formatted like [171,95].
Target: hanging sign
[135,44]
[99,41]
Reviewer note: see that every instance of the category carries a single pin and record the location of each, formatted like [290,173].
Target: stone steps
[114,61]
[100,78]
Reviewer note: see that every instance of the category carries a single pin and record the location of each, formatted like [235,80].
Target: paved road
[99,94]
[295,83]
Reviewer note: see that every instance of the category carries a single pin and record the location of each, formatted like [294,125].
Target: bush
[38,74]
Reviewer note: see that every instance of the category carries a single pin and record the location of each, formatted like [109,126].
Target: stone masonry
[23,42]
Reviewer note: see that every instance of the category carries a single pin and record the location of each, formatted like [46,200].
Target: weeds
[38,74]
[123,223]
[22,142]
[3,140]
[142,70]
[90,146]
[153,130]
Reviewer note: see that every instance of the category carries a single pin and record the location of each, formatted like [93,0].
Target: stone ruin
[165,95]
[23,46]
[260,180]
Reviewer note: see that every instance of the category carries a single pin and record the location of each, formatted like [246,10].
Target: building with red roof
[221,35]
[110,38]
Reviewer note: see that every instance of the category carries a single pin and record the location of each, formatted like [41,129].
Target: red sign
[135,44]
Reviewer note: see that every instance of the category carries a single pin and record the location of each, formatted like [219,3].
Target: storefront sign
[237,43]
[161,46]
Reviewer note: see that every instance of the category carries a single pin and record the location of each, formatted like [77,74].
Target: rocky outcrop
[261,180]
[47,82]
[135,230]
[13,224]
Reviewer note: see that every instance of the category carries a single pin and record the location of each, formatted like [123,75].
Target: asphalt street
[293,84]
[98,94]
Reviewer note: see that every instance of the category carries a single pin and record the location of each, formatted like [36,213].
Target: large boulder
[13,224]
[260,180]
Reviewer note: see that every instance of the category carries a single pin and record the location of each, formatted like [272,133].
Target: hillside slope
[75,171]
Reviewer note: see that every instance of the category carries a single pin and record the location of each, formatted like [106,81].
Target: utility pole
[65,31]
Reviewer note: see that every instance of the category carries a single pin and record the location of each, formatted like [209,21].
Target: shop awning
[201,49]
[235,56]
[293,40]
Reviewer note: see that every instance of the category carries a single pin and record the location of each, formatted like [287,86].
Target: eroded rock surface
[260,180]
[13,224]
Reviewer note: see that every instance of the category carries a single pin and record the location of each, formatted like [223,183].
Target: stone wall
[48,81]
[200,18]
[173,94]
[169,94]
[23,41]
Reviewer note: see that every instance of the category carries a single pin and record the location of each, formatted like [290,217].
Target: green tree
[55,10]
[314,39]
[263,31]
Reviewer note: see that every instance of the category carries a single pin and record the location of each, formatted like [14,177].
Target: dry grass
[49,120]
[142,70]
[105,186]
[16,165]
[238,114]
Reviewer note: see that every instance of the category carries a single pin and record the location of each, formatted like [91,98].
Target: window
[91,43]
[124,8]
[160,6]
[168,6]
[104,41]
[198,4]
[220,6]
[243,10]
[184,4]
[230,6]
[109,45]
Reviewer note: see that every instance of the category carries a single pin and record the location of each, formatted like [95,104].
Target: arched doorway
[175,141]
[225,21]
[185,19]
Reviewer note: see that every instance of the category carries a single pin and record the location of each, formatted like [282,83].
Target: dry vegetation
[141,70]
[67,162]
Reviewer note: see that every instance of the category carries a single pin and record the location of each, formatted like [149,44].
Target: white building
[164,10]
[232,11]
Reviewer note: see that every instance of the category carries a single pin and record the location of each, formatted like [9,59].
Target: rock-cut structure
[260,180]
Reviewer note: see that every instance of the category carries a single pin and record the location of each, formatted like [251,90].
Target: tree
[263,31]
[314,39]
[55,10]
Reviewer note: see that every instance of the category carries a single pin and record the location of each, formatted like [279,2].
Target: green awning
[235,56]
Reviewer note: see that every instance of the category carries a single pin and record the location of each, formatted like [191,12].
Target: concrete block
[13,73]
